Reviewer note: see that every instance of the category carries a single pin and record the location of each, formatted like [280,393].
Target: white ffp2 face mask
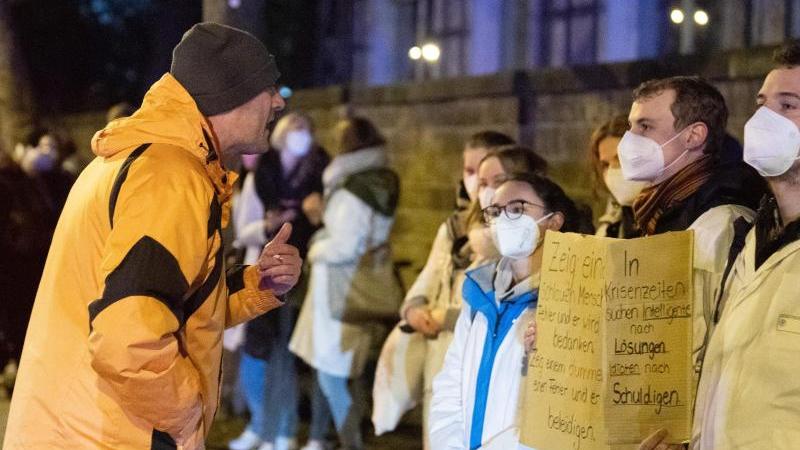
[485,195]
[471,185]
[642,158]
[298,142]
[771,142]
[518,238]
[624,191]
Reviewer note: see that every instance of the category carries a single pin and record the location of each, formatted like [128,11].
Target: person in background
[41,161]
[492,171]
[476,394]
[272,194]
[25,234]
[434,300]
[617,220]
[356,221]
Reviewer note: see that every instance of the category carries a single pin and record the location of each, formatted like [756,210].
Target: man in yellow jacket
[124,345]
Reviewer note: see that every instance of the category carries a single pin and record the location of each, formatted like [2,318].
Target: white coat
[713,233]
[749,393]
[323,342]
[462,390]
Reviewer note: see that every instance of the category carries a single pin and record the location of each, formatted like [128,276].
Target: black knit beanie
[222,67]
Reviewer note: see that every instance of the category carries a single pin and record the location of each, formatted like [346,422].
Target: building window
[444,23]
[768,22]
[361,21]
[569,32]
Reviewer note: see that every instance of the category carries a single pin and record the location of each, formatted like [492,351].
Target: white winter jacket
[476,395]
[323,342]
[749,393]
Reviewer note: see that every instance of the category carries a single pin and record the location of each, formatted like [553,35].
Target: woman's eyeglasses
[513,209]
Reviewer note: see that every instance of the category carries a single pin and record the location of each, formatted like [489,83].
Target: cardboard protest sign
[614,326]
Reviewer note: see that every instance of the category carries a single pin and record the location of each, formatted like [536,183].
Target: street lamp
[431,52]
[676,16]
[701,17]
[426,58]
[688,27]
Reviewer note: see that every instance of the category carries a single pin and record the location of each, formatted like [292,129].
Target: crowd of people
[149,301]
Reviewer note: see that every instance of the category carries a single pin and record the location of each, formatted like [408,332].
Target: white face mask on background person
[298,142]
[624,191]
[485,195]
[517,238]
[471,185]
[771,142]
[642,158]
[35,160]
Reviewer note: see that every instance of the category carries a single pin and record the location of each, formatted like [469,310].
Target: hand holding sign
[658,441]
[279,264]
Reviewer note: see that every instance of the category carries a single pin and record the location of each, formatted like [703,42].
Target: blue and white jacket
[476,395]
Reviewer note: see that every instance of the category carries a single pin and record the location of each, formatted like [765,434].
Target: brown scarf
[654,200]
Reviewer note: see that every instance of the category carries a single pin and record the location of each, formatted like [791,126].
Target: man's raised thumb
[283,234]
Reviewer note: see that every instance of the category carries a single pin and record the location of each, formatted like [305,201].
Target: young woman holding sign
[475,396]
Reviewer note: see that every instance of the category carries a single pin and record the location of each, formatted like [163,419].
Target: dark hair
[787,55]
[614,127]
[356,133]
[556,200]
[489,139]
[696,100]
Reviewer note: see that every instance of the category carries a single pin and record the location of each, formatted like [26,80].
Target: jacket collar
[480,292]
[347,164]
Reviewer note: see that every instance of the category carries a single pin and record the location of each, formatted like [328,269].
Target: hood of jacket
[168,116]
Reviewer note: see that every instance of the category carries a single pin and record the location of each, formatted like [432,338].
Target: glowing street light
[415,53]
[431,52]
[677,16]
[701,17]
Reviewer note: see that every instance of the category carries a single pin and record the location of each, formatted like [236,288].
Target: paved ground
[406,437]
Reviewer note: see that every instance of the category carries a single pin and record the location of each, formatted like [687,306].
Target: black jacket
[282,191]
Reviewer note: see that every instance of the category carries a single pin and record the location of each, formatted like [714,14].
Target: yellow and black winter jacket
[124,346]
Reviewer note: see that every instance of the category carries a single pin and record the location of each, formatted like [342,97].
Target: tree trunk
[17,111]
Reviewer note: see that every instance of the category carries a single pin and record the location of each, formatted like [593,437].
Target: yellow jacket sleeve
[245,300]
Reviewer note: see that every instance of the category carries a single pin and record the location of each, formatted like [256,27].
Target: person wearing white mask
[748,394]
[434,300]
[476,395]
[273,193]
[676,143]
[494,168]
[617,220]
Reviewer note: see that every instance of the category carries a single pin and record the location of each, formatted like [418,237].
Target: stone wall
[551,110]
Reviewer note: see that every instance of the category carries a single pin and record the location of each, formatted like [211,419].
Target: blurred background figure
[356,222]
[27,222]
[433,302]
[617,220]
[277,186]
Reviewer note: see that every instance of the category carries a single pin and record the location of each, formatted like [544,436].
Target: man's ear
[697,136]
